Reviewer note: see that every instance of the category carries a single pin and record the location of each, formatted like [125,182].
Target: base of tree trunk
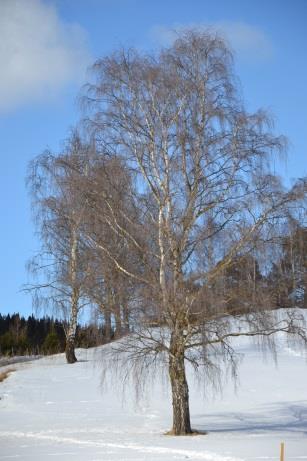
[192,433]
[70,352]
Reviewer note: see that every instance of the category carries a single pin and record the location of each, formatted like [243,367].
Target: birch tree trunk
[179,386]
[72,329]
[107,323]
[71,334]
[126,325]
[118,321]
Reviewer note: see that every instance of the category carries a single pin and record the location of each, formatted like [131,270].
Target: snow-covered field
[51,410]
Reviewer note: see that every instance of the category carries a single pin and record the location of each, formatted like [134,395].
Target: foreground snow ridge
[50,410]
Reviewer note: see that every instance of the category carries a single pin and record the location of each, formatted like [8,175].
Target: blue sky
[46,47]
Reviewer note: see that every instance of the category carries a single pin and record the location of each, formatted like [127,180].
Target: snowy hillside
[50,410]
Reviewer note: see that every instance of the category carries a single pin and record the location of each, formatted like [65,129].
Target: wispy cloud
[39,53]
[247,41]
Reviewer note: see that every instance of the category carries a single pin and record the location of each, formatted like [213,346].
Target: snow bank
[51,410]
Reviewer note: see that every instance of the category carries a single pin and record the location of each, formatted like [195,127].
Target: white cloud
[247,41]
[39,53]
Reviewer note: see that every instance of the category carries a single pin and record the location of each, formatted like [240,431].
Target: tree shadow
[276,417]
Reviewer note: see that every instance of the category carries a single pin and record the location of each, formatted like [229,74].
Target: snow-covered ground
[51,410]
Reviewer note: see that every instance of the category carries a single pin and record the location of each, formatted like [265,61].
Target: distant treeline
[32,336]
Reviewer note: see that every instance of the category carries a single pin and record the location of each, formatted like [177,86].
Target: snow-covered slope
[51,410]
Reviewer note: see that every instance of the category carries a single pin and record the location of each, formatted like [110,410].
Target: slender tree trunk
[118,321]
[70,349]
[107,324]
[126,319]
[71,334]
[180,390]
[72,329]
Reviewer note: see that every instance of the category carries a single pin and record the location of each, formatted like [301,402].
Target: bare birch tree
[61,267]
[206,200]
